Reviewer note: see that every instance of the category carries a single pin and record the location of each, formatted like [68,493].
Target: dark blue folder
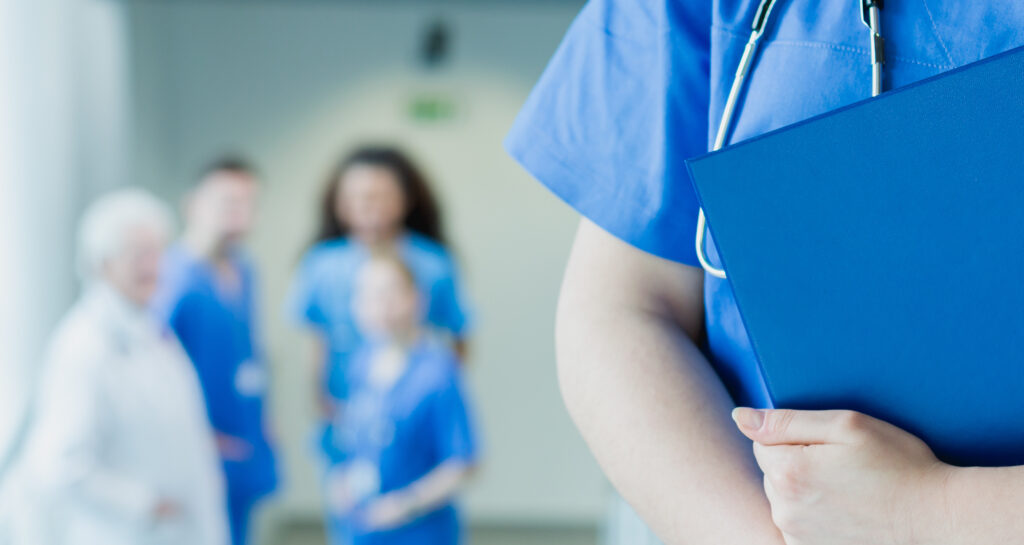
[877,257]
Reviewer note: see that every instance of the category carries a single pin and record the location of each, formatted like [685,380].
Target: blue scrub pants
[239,511]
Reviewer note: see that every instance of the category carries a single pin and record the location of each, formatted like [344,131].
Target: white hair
[106,221]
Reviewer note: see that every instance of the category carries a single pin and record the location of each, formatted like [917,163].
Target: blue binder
[877,257]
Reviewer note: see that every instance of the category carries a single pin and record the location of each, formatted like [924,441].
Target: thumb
[791,427]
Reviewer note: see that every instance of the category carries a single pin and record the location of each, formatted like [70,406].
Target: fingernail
[750,419]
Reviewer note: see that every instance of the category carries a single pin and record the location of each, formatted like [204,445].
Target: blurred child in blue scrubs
[208,296]
[403,443]
[376,200]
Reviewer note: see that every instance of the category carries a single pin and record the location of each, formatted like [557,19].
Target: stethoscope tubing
[870,16]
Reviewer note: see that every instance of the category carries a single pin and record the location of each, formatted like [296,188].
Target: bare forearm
[982,506]
[318,348]
[654,413]
[437,487]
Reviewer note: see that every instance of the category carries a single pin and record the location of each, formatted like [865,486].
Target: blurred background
[97,94]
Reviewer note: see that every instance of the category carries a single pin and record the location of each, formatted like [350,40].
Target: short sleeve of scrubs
[448,306]
[619,108]
[454,437]
[302,304]
[166,302]
[178,306]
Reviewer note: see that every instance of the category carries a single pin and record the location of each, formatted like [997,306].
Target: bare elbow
[584,321]
[611,293]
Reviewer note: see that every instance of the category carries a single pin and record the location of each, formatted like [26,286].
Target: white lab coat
[120,425]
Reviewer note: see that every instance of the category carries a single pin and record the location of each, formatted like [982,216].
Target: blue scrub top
[322,291]
[218,331]
[638,86]
[403,433]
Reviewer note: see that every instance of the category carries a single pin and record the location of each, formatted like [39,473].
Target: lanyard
[870,16]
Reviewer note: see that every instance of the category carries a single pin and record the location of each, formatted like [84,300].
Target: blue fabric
[219,332]
[322,290]
[891,323]
[239,514]
[638,86]
[403,433]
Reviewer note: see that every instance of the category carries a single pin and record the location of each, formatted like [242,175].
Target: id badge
[251,379]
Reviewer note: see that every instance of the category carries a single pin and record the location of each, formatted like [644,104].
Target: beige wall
[292,84]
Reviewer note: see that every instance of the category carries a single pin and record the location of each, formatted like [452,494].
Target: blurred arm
[647,401]
[325,404]
[437,488]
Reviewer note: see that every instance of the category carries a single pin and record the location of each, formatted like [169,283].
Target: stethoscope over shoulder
[870,16]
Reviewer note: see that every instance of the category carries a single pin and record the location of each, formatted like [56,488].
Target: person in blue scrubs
[403,444]
[645,336]
[208,297]
[375,199]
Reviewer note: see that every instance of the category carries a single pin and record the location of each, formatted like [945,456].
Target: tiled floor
[522,536]
[310,534]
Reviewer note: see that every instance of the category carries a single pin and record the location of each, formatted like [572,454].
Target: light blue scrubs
[322,290]
[638,86]
[218,330]
[396,436]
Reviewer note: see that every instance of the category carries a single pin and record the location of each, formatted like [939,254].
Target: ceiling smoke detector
[435,48]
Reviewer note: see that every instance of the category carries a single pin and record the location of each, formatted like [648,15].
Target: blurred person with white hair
[121,450]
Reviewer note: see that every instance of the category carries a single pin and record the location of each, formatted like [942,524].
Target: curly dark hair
[422,213]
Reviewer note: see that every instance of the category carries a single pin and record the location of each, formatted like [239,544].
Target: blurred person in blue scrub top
[403,444]
[653,355]
[208,297]
[375,199]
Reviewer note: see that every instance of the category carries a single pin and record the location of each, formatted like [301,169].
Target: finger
[792,540]
[777,458]
[775,501]
[791,427]
[779,507]
[785,470]
[770,492]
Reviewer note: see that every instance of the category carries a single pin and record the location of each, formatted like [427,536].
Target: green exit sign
[432,108]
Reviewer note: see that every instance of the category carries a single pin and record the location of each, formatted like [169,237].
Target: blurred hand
[166,509]
[844,478]
[327,406]
[340,500]
[232,448]
[388,512]
[269,428]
